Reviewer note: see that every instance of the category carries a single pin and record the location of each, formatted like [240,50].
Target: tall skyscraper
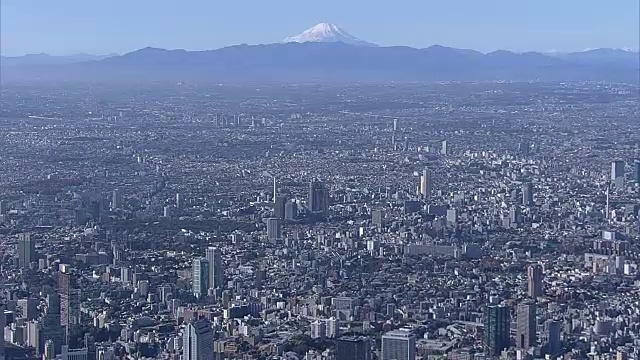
[377,217]
[444,150]
[496,329]
[26,250]
[200,277]
[273,228]
[534,280]
[636,171]
[216,273]
[291,211]
[552,344]
[527,194]
[69,297]
[116,199]
[617,169]
[275,189]
[51,329]
[279,207]
[398,345]
[178,201]
[318,197]
[353,348]
[526,319]
[425,184]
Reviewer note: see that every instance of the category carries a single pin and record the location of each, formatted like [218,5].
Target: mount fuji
[327,33]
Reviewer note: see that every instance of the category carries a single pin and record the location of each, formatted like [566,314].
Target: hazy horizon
[120,27]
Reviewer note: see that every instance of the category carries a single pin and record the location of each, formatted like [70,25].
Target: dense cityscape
[320,222]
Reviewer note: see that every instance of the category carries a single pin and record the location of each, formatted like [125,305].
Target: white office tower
[425,184]
[318,329]
[333,328]
[444,150]
[617,169]
[197,341]
[216,274]
[398,345]
[200,277]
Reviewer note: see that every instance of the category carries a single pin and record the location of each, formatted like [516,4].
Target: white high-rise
[200,277]
[425,184]
[617,169]
[197,341]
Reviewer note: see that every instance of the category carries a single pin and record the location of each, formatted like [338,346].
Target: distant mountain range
[328,53]
[45,59]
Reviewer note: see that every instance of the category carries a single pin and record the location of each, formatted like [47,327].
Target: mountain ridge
[318,61]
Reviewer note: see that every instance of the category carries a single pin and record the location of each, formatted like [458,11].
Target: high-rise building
[291,211]
[636,171]
[617,169]
[26,250]
[353,348]
[398,345]
[51,328]
[216,272]
[273,228]
[3,207]
[527,194]
[318,197]
[333,328]
[524,148]
[33,337]
[496,329]
[178,201]
[534,280]
[69,297]
[116,199]
[552,344]
[526,319]
[452,216]
[377,218]
[200,277]
[425,184]
[444,150]
[318,329]
[279,207]
[28,308]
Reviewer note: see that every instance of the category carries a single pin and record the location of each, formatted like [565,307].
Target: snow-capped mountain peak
[327,32]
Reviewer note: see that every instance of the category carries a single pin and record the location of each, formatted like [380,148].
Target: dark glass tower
[496,329]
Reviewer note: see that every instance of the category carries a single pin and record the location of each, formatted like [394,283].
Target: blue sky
[106,26]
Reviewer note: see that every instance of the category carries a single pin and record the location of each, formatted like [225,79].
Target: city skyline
[119,27]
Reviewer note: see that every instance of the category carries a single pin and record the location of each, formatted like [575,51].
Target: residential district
[320,222]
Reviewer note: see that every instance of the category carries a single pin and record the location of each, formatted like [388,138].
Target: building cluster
[360,222]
